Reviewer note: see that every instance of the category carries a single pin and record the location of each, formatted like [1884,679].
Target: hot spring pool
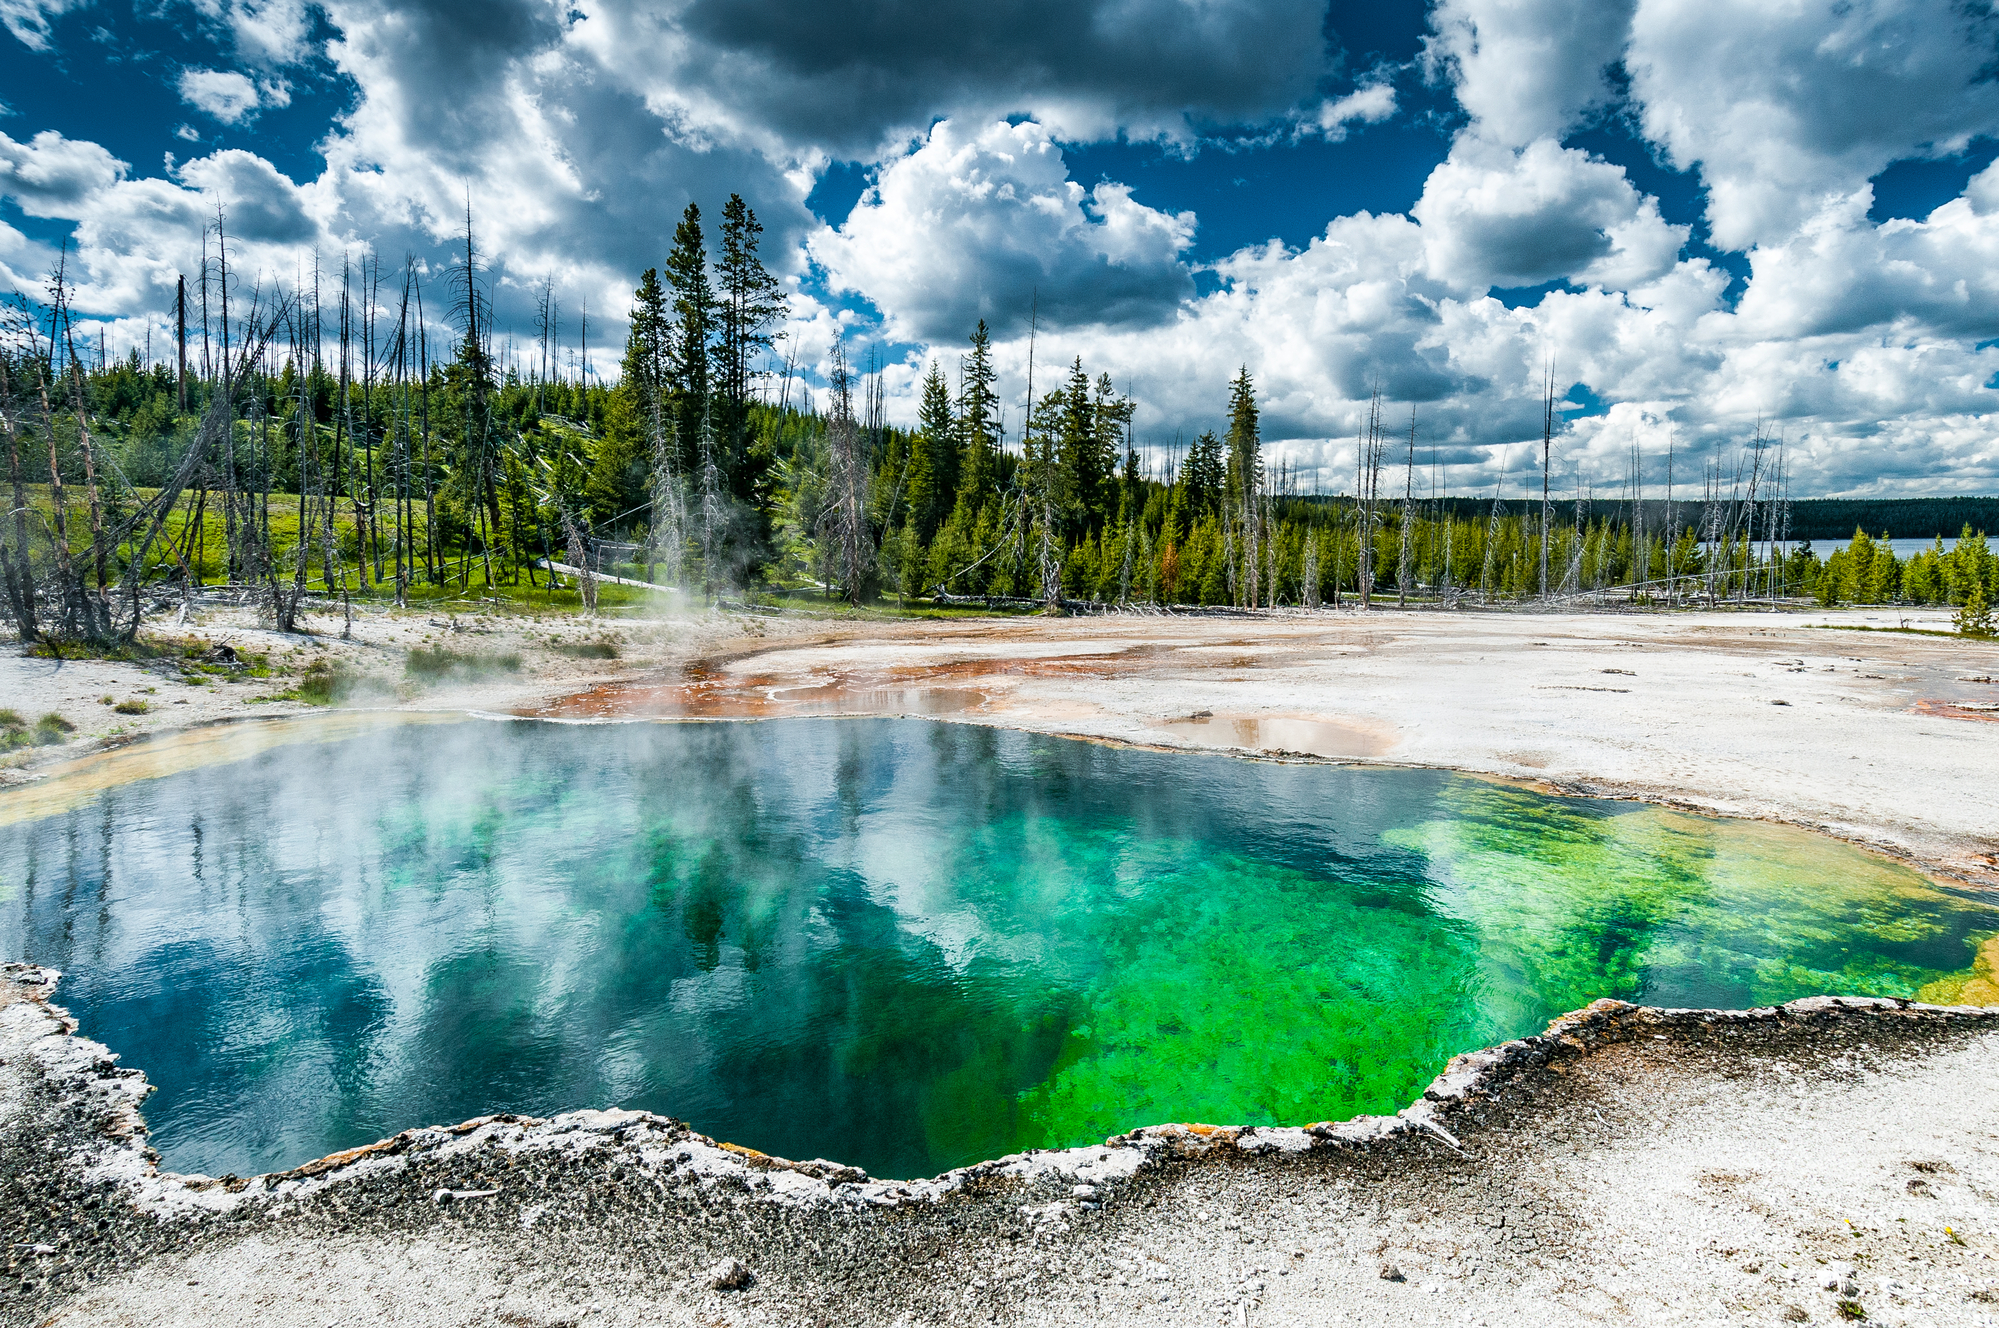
[901,944]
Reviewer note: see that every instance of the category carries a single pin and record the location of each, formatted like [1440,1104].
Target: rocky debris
[729,1275]
[1390,1273]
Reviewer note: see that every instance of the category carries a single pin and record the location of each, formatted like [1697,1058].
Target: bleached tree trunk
[1308,592]
[18,568]
[579,558]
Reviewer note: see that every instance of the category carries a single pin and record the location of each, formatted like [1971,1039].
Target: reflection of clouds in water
[914,877]
[807,935]
[707,993]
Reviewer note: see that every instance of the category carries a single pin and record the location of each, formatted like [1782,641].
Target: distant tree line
[1908,518]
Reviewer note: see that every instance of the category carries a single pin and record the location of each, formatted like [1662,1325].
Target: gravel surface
[1805,1164]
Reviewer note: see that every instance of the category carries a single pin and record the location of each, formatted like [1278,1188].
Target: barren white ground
[1882,737]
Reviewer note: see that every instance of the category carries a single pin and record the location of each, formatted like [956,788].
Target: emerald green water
[896,943]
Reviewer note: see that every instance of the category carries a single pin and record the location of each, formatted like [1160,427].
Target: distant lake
[1902,547]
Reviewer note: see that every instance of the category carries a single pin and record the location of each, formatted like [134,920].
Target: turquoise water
[896,943]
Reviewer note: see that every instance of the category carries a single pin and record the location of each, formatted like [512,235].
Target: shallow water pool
[901,944]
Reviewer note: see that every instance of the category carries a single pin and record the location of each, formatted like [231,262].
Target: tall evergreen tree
[649,344]
[694,316]
[978,426]
[749,300]
[638,408]
[1079,475]
[1113,420]
[1245,465]
[472,375]
[1203,475]
[933,462]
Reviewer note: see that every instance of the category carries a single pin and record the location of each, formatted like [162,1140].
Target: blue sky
[1704,214]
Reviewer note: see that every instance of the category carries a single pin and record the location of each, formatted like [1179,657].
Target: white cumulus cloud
[1527,69]
[980,221]
[1371,103]
[1789,108]
[53,176]
[1495,217]
[229,97]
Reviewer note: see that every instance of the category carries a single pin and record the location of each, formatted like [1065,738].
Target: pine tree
[1886,575]
[1202,476]
[977,425]
[1245,465]
[1113,419]
[1831,579]
[623,463]
[694,313]
[649,344]
[1079,474]
[1975,618]
[933,462]
[1860,569]
[1967,563]
[748,302]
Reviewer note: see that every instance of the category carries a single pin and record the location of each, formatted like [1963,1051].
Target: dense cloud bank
[579,133]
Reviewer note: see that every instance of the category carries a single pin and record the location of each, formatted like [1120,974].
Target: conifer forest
[370,433]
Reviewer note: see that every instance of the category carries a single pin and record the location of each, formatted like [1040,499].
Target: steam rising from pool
[900,944]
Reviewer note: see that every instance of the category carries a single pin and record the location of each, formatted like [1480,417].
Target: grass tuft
[330,681]
[49,730]
[432,664]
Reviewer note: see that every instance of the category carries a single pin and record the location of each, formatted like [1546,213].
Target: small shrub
[51,729]
[13,731]
[326,681]
[1851,1309]
[588,649]
[132,707]
[1975,618]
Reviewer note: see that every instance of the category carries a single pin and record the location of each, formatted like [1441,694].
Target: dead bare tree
[1547,460]
[1309,590]
[844,520]
[16,566]
[1404,569]
[579,558]
[1368,493]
